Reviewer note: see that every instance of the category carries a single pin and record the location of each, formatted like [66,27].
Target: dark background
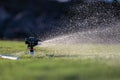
[49,18]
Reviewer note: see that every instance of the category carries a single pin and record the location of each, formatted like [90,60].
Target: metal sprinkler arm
[31,51]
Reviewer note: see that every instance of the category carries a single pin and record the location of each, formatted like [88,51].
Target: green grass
[60,68]
[7,47]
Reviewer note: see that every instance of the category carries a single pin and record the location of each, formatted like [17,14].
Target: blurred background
[49,18]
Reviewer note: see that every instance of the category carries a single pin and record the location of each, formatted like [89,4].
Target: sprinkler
[31,43]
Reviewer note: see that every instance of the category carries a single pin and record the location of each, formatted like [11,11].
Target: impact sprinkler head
[31,43]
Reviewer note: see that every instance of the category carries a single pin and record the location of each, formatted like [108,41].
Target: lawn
[61,62]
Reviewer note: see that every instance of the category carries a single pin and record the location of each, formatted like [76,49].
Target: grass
[60,68]
[11,47]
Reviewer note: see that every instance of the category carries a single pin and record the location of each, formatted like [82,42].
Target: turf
[60,68]
[7,47]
